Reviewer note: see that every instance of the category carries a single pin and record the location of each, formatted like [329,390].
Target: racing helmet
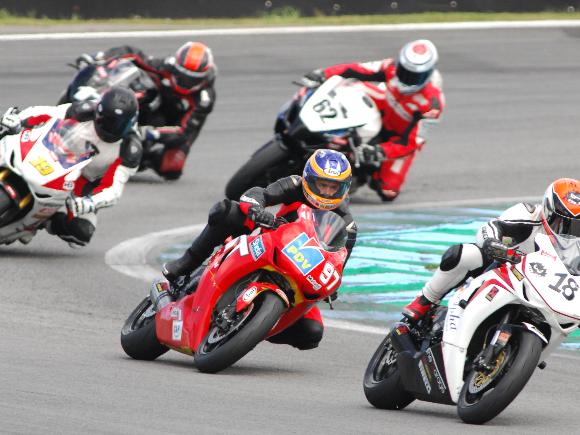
[192,68]
[561,208]
[326,179]
[116,114]
[415,65]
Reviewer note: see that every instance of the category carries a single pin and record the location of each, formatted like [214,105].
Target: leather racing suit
[407,118]
[177,120]
[103,179]
[516,227]
[230,218]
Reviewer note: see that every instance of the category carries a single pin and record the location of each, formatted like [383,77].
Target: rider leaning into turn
[109,125]
[185,82]
[410,97]
[558,216]
[324,185]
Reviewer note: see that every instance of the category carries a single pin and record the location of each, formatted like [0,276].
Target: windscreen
[67,143]
[568,249]
[330,229]
[120,73]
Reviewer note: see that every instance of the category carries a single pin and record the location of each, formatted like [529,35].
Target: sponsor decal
[436,373]
[175,313]
[245,198]
[42,166]
[177,330]
[249,294]
[424,377]
[547,254]
[491,294]
[517,274]
[162,286]
[44,213]
[257,248]
[538,269]
[315,285]
[573,198]
[304,253]
[453,316]
[68,185]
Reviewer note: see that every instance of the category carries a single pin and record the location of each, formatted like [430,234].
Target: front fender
[252,291]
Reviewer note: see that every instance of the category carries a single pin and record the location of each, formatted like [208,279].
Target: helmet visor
[111,129]
[410,78]
[186,79]
[328,189]
[563,225]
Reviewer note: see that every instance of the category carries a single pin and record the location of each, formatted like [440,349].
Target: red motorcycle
[254,287]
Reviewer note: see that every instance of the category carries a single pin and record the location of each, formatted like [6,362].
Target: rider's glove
[149,133]
[261,216]
[86,59]
[10,122]
[314,78]
[79,206]
[496,250]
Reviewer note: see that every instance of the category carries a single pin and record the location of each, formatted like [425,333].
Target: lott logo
[249,294]
[304,253]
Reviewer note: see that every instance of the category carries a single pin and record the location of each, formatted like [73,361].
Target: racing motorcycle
[337,115]
[38,170]
[92,80]
[254,287]
[479,352]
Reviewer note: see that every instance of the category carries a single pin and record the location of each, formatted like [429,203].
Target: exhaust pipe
[401,339]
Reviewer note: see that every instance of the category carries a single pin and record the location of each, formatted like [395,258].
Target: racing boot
[181,266]
[417,308]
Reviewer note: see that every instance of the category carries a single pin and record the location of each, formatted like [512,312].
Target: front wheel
[484,395]
[382,381]
[232,335]
[138,337]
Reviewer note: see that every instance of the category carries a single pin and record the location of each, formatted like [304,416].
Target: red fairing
[292,251]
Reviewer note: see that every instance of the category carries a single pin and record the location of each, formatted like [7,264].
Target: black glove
[314,78]
[262,217]
[494,249]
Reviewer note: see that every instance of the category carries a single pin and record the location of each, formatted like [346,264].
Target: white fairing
[540,281]
[340,104]
[39,167]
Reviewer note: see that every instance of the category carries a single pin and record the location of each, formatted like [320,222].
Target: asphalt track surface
[510,127]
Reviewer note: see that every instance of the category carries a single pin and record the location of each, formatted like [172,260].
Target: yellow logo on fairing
[42,166]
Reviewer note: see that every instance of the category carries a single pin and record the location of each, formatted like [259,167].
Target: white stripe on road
[479,25]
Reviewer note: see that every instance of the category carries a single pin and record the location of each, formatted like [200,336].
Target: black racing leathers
[229,218]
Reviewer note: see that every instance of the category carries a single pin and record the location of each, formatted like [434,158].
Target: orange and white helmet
[192,67]
[561,208]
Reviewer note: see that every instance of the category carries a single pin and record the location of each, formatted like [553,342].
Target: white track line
[478,25]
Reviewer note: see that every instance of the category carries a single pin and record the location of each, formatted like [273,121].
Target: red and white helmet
[415,65]
[192,68]
[561,209]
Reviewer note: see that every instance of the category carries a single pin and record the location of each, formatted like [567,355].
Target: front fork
[484,362]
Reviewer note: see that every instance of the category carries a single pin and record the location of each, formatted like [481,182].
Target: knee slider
[451,258]
[219,212]
[81,229]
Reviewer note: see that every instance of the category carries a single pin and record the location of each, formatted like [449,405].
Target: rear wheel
[267,164]
[232,335]
[484,395]
[138,337]
[382,381]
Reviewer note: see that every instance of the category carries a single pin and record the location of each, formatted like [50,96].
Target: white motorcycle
[480,351]
[336,115]
[38,171]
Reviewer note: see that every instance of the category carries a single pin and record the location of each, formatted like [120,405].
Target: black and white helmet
[415,65]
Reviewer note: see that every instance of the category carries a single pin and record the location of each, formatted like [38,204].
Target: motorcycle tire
[511,378]
[5,201]
[138,337]
[255,172]
[382,383]
[265,312]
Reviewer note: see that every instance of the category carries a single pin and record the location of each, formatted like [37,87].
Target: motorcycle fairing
[232,265]
[523,284]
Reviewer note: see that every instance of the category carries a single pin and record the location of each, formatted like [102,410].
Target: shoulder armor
[131,152]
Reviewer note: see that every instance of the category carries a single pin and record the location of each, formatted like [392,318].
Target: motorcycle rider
[557,216]
[185,82]
[324,185]
[110,126]
[411,100]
